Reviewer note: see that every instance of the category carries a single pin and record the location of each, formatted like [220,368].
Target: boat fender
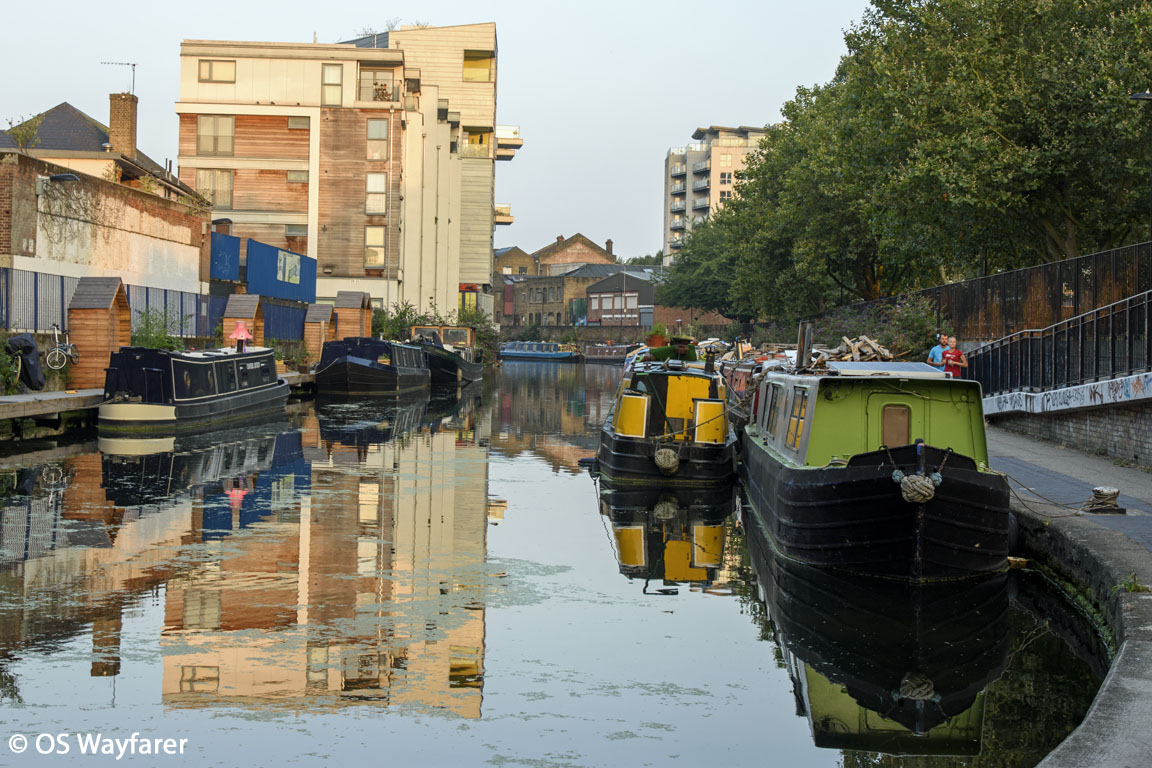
[917,489]
[665,510]
[667,460]
[914,686]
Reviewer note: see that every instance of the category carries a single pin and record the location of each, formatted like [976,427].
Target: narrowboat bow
[367,366]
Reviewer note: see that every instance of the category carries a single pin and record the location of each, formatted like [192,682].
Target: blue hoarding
[279,273]
[224,262]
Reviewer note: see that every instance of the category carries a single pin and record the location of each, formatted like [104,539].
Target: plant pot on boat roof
[656,335]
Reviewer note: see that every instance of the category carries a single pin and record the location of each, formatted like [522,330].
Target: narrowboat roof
[900,370]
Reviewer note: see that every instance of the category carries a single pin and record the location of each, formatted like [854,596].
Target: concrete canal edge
[1098,562]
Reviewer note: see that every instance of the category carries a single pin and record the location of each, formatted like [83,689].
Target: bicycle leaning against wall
[62,352]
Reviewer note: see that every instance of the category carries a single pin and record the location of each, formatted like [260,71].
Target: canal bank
[1107,558]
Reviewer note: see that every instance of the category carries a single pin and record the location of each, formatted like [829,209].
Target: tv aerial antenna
[125,64]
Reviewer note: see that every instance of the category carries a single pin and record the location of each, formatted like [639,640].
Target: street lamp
[1146,96]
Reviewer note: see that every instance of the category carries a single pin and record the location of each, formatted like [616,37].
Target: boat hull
[854,518]
[549,357]
[126,417]
[350,375]
[450,368]
[632,460]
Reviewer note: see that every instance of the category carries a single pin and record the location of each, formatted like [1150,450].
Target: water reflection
[671,536]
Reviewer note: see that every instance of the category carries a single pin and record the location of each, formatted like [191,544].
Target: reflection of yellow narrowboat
[675,536]
[669,423]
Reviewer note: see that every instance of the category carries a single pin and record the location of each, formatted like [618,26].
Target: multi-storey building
[376,157]
[699,178]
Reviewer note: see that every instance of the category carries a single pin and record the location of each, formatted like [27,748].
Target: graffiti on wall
[1128,389]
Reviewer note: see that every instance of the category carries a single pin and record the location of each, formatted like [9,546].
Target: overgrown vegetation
[9,377]
[904,326]
[957,138]
[156,329]
[25,132]
[1131,584]
[292,352]
[396,322]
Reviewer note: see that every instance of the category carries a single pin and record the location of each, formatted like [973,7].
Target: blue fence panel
[216,307]
[280,274]
[224,258]
[283,322]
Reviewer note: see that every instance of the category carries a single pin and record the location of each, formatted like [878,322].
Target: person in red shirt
[954,359]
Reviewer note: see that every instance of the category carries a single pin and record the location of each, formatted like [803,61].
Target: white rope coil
[667,460]
[916,687]
[917,489]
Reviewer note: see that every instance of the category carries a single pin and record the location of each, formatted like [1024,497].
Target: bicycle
[61,353]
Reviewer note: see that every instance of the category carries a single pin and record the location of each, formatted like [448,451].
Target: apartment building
[375,156]
[699,178]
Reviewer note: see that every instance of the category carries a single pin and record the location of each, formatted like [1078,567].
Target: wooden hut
[246,307]
[319,327]
[353,314]
[99,323]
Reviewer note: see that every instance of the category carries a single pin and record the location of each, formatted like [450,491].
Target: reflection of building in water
[673,536]
[553,410]
[373,596]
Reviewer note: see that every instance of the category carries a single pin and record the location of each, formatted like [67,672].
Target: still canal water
[440,584]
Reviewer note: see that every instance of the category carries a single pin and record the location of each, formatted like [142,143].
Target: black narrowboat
[367,366]
[452,354]
[158,391]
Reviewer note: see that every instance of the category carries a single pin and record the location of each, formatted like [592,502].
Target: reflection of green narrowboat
[669,424]
[882,665]
[876,468]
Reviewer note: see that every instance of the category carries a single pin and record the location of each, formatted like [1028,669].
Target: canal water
[439,583]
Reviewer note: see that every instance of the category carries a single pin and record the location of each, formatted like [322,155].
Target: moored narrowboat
[611,354]
[876,468]
[367,366]
[538,350]
[669,425]
[452,354]
[159,391]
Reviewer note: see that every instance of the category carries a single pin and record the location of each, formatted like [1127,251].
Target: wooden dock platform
[34,404]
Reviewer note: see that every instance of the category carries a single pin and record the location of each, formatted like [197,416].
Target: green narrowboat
[876,468]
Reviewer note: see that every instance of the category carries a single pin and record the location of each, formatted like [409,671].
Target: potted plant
[656,335]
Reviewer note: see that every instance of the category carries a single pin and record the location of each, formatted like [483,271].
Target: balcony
[677,224]
[677,205]
[698,220]
[699,202]
[502,214]
[678,188]
[701,184]
[702,166]
[678,170]
[507,141]
[676,242]
[475,150]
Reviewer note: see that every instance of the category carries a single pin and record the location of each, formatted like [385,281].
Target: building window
[506,270]
[298,123]
[295,230]
[217,71]
[374,246]
[725,194]
[375,85]
[478,66]
[332,85]
[377,139]
[376,193]
[298,177]
[725,161]
[523,271]
[631,300]
[214,134]
[216,186]
[594,303]
[726,177]
[478,144]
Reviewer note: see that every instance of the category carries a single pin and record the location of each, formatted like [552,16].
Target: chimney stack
[122,123]
[559,238]
[608,246]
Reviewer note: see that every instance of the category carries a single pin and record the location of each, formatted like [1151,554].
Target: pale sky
[599,89]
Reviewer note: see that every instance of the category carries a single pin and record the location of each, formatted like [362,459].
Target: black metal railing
[1103,343]
[995,306]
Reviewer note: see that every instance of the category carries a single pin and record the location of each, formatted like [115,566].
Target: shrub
[155,330]
[904,325]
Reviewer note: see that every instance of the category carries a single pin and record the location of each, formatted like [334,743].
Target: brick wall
[7,174]
[1123,431]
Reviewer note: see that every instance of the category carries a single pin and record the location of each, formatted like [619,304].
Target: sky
[601,90]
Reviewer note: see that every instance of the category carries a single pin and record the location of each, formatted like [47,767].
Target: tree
[655,259]
[26,132]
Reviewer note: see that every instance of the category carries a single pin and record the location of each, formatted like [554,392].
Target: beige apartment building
[699,178]
[376,156]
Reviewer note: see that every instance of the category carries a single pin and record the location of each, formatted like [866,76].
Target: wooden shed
[319,327]
[99,323]
[246,307]
[353,314]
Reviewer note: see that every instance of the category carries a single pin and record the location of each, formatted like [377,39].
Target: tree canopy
[957,137]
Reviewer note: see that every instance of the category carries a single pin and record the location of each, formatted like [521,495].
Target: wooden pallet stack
[860,350]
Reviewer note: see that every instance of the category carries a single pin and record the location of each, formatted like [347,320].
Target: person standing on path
[935,358]
[953,359]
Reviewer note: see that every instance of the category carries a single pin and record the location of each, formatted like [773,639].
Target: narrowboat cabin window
[774,391]
[796,420]
[895,425]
